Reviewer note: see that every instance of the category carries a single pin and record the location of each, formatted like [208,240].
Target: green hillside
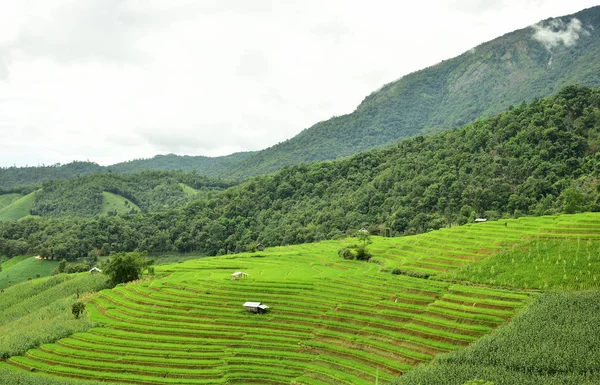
[113,203]
[331,320]
[555,341]
[7,199]
[19,269]
[189,191]
[481,82]
[95,194]
[21,176]
[19,208]
[536,159]
[203,165]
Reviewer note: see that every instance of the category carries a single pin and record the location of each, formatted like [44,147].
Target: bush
[77,308]
[346,253]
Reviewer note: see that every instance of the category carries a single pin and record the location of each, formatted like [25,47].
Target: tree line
[535,159]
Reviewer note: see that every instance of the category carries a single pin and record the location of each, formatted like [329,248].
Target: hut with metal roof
[256,307]
[239,275]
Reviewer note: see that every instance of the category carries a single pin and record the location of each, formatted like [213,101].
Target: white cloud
[555,32]
[111,80]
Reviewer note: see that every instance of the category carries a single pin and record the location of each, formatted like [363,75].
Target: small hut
[479,220]
[95,270]
[256,307]
[239,275]
[260,247]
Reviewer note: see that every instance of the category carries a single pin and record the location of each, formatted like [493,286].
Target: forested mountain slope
[86,196]
[516,67]
[520,66]
[535,159]
[11,177]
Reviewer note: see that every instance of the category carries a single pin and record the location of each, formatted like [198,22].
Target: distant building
[477,220]
[95,270]
[239,275]
[256,307]
[260,247]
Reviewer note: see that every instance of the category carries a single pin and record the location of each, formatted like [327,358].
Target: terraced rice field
[330,320]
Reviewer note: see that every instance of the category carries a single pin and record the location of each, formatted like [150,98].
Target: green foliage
[39,311]
[554,341]
[23,268]
[19,208]
[7,199]
[333,319]
[125,267]
[77,309]
[539,264]
[10,376]
[113,194]
[514,164]
[13,177]
[481,82]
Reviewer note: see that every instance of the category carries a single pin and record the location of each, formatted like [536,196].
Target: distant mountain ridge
[523,65]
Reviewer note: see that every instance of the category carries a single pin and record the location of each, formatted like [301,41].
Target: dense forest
[14,178]
[537,158]
[148,191]
[481,82]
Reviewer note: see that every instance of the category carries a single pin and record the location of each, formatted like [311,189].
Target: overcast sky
[114,80]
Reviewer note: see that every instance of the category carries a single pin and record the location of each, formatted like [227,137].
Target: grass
[331,320]
[116,203]
[22,268]
[18,208]
[539,264]
[555,341]
[189,191]
[44,307]
[7,199]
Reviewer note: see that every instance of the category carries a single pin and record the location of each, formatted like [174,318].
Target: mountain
[520,66]
[109,193]
[523,65]
[536,159]
[204,165]
[11,177]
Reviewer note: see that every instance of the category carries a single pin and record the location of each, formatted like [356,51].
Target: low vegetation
[23,268]
[555,341]
[40,311]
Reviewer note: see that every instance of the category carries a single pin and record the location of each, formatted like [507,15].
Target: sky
[113,80]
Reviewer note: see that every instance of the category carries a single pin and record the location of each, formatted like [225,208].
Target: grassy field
[19,269]
[39,311]
[554,342]
[189,191]
[7,199]
[331,320]
[18,208]
[116,203]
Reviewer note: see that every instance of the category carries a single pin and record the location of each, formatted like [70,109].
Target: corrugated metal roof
[252,304]
[263,306]
[239,272]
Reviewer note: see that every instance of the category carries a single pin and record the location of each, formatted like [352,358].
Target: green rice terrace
[330,320]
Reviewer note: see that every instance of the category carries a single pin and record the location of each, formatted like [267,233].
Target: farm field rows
[330,321]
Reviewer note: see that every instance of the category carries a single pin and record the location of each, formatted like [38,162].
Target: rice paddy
[330,320]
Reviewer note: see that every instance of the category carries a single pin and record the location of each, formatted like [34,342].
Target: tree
[126,267]
[77,308]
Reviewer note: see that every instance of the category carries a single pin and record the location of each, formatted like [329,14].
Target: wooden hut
[239,275]
[256,307]
[479,220]
[260,247]
[95,270]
